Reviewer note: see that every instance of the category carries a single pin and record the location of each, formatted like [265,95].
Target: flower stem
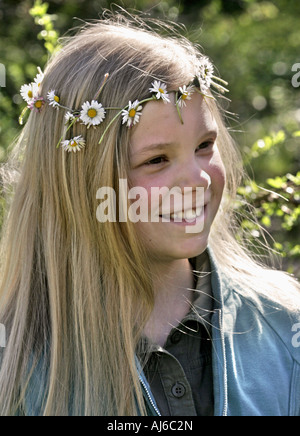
[101,87]
[69,127]
[178,108]
[110,123]
[119,113]
[21,117]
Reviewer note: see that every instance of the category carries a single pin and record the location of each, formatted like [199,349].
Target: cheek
[217,173]
[140,199]
[150,185]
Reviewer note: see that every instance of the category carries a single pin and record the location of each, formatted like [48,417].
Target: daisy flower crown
[92,113]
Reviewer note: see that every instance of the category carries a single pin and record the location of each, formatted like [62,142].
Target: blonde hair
[76,294]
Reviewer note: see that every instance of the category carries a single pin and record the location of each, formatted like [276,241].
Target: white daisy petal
[53,98]
[29,92]
[205,75]
[26,92]
[186,94]
[132,114]
[39,77]
[92,114]
[69,116]
[74,144]
[160,89]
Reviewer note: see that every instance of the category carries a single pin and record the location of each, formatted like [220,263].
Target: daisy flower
[70,117]
[74,144]
[53,98]
[92,114]
[132,115]
[39,78]
[185,94]
[36,104]
[28,92]
[160,89]
[206,71]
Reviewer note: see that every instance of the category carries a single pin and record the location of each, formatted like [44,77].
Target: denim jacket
[256,356]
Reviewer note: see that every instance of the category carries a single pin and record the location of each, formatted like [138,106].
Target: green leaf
[266,221]
[277,182]
[39,9]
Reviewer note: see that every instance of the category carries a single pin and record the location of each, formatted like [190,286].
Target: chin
[187,250]
[193,251]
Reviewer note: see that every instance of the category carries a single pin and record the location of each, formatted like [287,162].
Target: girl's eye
[156,160]
[204,145]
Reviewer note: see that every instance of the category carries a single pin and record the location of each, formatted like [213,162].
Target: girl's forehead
[160,123]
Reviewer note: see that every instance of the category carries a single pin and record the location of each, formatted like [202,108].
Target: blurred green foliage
[254,45]
[48,33]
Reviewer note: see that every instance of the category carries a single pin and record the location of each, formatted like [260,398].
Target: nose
[193,176]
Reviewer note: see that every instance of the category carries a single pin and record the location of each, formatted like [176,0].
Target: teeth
[188,215]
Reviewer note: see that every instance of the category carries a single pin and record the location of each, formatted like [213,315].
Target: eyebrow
[158,146]
[164,145]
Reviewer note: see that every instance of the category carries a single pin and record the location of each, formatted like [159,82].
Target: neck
[173,283]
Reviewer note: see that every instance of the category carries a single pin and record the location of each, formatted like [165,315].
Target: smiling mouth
[188,215]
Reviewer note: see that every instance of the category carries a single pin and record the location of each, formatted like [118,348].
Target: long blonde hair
[76,294]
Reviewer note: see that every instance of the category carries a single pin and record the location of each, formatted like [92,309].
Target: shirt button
[175,338]
[178,390]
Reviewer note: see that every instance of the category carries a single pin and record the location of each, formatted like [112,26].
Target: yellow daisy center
[161,90]
[38,104]
[56,98]
[132,113]
[30,95]
[73,143]
[184,96]
[92,113]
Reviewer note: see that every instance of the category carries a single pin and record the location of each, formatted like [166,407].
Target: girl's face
[166,153]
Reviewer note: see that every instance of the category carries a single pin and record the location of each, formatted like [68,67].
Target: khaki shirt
[180,373]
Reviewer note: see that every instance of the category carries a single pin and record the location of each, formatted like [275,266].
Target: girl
[106,315]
